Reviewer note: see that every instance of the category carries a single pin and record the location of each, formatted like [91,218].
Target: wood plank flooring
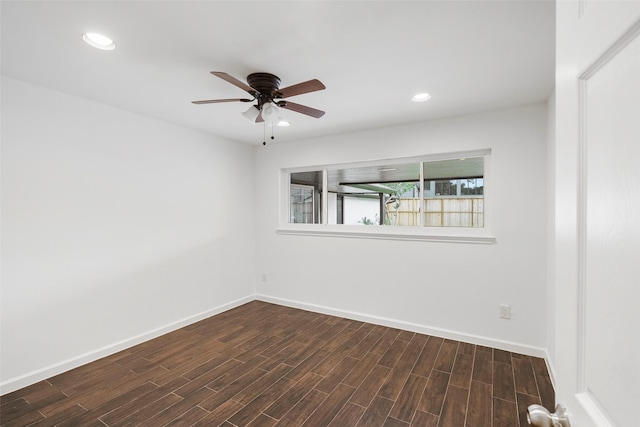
[267,365]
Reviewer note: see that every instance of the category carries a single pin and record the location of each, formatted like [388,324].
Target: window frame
[420,232]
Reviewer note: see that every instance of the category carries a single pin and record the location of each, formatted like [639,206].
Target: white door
[595,351]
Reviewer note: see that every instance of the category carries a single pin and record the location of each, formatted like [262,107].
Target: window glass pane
[454,191]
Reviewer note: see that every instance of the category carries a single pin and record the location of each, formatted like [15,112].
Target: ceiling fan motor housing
[266,85]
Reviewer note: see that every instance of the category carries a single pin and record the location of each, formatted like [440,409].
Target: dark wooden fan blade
[259,119]
[287,105]
[216,101]
[228,78]
[300,88]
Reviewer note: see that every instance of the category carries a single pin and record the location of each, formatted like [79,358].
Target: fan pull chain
[264,133]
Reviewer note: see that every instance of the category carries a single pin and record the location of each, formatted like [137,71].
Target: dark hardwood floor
[267,365]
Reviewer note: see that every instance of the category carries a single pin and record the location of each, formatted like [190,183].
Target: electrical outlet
[505,311]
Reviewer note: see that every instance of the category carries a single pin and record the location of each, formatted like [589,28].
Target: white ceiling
[371,55]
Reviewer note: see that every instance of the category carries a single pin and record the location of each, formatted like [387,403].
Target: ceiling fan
[265,89]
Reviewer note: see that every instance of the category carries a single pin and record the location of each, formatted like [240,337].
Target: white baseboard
[21,381]
[413,327]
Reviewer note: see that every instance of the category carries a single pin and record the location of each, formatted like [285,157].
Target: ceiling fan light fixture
[270,112]
[251,114]
[283,123]
[99,41]
[421,97]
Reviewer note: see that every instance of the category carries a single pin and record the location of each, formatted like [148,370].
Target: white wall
[452,289]
[115,228]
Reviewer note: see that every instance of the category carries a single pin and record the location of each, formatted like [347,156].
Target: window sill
[449,235]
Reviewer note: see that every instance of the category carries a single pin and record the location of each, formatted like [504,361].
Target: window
[421,193]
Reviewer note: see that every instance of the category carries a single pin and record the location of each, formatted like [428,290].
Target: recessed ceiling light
[420,97]
[99,41]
